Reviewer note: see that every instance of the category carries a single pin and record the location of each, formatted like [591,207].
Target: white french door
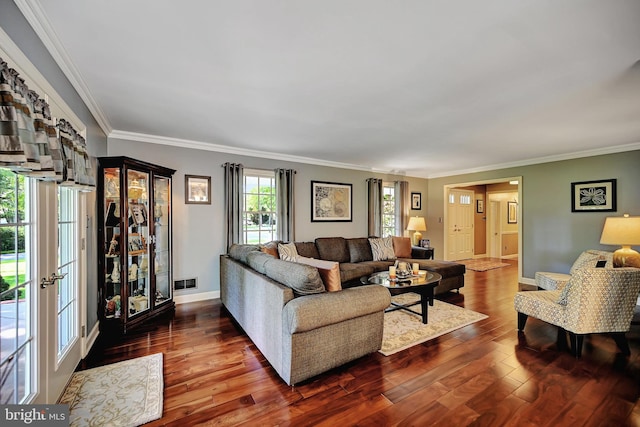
[59,267]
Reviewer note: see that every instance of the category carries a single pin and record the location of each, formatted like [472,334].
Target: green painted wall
[552,236]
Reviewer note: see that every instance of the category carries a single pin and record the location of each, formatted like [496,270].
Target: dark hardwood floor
[484,374]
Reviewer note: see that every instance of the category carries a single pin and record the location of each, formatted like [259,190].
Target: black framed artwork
[331,201]
[479,206]
[416,201]
[197,190]
[594,196]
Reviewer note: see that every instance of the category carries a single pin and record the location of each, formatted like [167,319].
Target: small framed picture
[425,243]
[138,213]
[416,201]
[512,213]
[594,196]
[197,190]
[479,206]
[136,244]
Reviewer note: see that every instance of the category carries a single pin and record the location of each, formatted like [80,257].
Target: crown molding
[546,159]
[206,146]
[36,17]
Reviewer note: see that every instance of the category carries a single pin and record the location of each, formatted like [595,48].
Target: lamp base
[417,236]
[626,257]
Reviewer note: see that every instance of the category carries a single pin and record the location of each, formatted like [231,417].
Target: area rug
[127,393]
[482,264]
[403,330]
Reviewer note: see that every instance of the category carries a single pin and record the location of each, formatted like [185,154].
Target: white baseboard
[90,340]
[202,296]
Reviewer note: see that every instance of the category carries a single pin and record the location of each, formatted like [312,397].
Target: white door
[59,264]
[459,224]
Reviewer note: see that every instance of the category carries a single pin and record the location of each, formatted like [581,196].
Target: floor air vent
[185,284]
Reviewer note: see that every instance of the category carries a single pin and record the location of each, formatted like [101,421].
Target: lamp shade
[623,231]
[417,223]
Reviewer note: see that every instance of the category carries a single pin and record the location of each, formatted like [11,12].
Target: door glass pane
[67,306]
[137,274]
[16,284]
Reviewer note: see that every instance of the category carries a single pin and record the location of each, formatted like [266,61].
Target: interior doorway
[496,219]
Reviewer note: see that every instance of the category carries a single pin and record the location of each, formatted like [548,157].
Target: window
[388,210]
[67,267]
[259,214]
[16,288]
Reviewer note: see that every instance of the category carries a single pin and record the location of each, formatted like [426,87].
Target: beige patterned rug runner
[482,264]
[403,330]
[127,393]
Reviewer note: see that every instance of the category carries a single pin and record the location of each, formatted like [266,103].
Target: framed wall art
[479,206]
[593,196]
[512,213]
[416,201]
[197,189]
[330,201]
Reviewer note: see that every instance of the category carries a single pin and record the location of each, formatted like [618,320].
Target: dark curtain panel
[233,175]
[284,202]
[374,188]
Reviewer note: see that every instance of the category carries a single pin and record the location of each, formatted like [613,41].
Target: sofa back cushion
[307,249]
[382,248]
[329,272]
[240,252]
[333,249]
[402,246]
[359,249]
[257,260]
[302,279]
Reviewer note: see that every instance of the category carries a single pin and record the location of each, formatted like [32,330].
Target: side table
[419,252]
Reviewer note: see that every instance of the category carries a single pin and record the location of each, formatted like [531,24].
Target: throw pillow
[329,272]
[288,251]
[270,248]
[382,248]
[359,249]
[402,246]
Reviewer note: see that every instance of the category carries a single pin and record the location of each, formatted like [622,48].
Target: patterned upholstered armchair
[594,300]
[551,281]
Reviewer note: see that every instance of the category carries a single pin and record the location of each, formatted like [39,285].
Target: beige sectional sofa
[286,310]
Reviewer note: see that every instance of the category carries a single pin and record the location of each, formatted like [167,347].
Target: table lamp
[417,224]
[623,231]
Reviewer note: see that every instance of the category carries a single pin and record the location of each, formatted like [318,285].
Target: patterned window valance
[32,144]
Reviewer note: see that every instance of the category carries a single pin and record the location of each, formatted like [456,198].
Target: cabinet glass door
[137,274]
[162,233]
[113,244]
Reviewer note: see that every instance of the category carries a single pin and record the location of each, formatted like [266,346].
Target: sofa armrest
[314,311]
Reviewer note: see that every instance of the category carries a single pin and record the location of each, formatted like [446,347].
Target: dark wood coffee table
[423,285]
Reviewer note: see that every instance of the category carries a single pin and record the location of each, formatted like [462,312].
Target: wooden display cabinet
[134,234]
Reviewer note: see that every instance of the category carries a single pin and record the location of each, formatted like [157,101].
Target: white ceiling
[426,88]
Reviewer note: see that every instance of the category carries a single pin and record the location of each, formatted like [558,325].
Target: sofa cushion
[401,246]
[257,260]
[240,252]
[271,248]
[302,279]
[307,249]
[333,249]
[359,249]
[382,248]
[288,251]
[354,271]
[329,272]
